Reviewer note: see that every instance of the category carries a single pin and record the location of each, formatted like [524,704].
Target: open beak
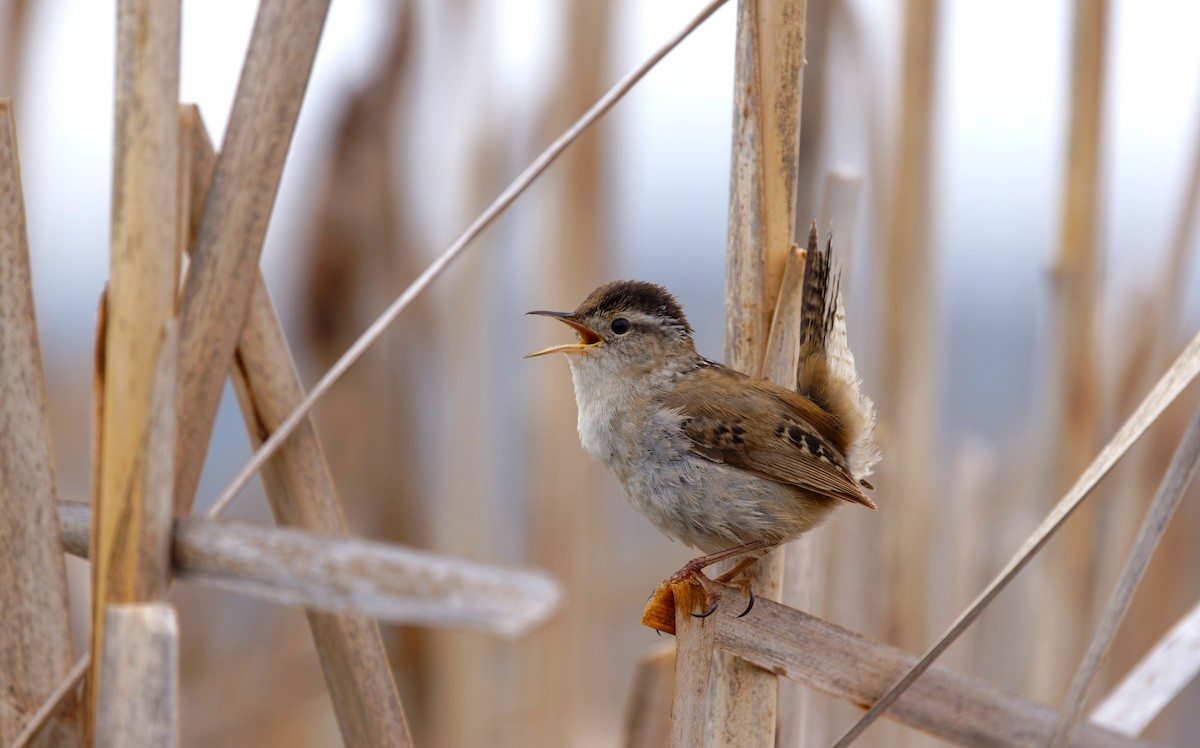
[587,337]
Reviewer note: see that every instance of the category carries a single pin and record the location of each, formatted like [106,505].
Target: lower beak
[587,337]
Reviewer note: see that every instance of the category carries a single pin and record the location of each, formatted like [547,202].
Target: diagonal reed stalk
[1181,373]
[1155,681]
[1170,493]
[35,637]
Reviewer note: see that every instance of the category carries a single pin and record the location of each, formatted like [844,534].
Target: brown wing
[763,429]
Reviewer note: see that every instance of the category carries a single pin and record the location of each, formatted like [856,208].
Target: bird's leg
[693,571]
[745,584]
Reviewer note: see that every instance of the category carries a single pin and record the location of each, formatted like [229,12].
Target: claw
[749,605]
[712,609]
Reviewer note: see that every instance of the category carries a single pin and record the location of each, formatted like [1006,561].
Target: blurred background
[420,112]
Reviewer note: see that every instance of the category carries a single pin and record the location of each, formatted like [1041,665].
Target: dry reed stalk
[648,717]
[153,476]
[138,701]
[1074,391]
[1182,372]
[694,640]
[143,277]
[801,582]
[768,81]
[35,640]
[299,489]
[346,575]
[906,334]
[1170,493]
[857,670]
[1155,681]
[809,559]
[224,265]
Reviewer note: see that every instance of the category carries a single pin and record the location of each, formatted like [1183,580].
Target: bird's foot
[692,571]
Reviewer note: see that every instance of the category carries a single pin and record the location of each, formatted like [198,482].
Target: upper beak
[587,337]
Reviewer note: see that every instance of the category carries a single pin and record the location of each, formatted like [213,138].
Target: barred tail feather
[827,372]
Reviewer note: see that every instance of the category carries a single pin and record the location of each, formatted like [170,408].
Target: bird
[724,462]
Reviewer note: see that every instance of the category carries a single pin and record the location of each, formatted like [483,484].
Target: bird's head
[625,328]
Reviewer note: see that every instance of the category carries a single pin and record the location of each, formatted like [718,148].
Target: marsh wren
[724,462]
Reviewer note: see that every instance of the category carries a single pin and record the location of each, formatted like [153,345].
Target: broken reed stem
[1181,373]
[35,638]
[346,575]
[451,253]
[1178,477]
[138,700]
[799,562]
[694,639]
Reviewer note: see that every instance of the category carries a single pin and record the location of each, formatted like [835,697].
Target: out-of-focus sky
[1001,127]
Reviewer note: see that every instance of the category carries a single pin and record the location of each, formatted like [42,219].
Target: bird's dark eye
[620,326]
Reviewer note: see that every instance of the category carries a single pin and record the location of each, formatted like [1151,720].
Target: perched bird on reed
[721,461]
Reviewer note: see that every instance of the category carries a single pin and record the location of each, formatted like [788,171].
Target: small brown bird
[726,463]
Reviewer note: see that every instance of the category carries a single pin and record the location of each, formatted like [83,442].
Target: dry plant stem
[225,258]
[798,562]
[346,575]
[1170,493]
[693,667]
[762,203]
[35,639]
[143,276]
[648,716]
[139,693]
[1181,373]
[302,495]
[439,265]
[806,559]
[154,475]
[1073,401]
[907,330]
[301,492]
[1155,681]
[856,669]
